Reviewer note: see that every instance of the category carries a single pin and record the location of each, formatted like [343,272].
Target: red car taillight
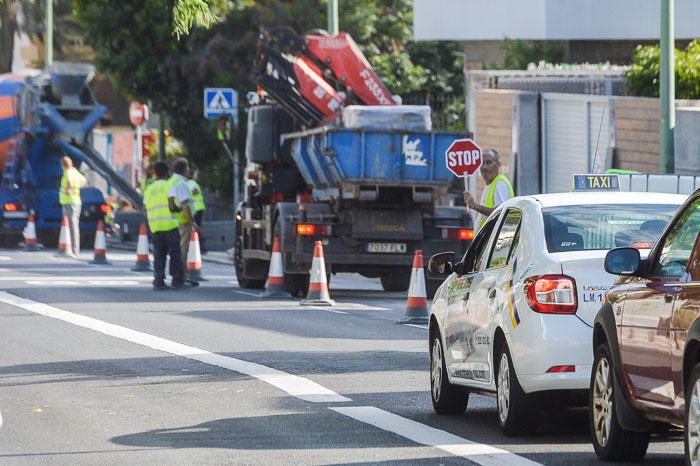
[10,207]
[551,294]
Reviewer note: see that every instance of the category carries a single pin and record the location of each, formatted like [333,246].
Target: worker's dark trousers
[167,243]
[198,219]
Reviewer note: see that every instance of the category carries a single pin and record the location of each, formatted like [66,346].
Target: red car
[646,342]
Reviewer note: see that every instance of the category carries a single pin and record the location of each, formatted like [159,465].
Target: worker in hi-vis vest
[71,203]
[497,190]
[164,230]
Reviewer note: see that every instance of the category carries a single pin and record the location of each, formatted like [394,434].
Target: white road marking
[5,258]
[298,387]
[325,309]
[247,293]
[479,453]
[52,282]
[423,327]
[115,282]
[67,275]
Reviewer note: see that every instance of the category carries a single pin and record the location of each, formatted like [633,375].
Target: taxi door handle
[492,293]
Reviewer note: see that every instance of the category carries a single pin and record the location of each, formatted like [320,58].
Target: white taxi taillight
[551,294]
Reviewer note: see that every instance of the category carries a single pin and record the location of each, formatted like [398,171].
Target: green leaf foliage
[136,46]
[644,74]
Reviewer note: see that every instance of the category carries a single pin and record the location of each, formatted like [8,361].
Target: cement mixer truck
[43,117]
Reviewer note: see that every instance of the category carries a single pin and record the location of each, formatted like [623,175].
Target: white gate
[576,138]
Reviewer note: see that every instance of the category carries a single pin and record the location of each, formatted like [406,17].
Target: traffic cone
[100,245]
[64,246]
[318,285]
[29,233]
[143,263]
[274,287]
[194,259]
[417,303]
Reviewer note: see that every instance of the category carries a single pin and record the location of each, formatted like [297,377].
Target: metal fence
[447,111]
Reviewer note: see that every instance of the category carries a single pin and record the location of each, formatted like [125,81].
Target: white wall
[549,19]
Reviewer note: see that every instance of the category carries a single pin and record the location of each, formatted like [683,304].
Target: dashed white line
[298,387]
[479,453]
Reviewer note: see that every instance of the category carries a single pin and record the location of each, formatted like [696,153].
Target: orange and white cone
[318,284]
[417,303]
[100,245]
[194,259]
[275,287]
[29,233]
[64,246]
[143,263]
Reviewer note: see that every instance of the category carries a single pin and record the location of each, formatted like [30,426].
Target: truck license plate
[396,248]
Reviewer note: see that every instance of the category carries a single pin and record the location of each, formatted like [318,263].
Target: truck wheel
[610,441]
[397,280]
[297,284]
[250,283]
[88,241]
[431,287]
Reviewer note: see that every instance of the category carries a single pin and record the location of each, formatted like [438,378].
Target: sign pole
[667,90]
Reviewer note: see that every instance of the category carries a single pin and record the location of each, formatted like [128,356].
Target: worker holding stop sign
[463,158]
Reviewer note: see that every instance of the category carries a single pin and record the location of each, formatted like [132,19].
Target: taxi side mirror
[441,264]
[623,261]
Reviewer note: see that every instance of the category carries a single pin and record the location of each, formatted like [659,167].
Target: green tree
[644,74]
[136,46]
[518,54]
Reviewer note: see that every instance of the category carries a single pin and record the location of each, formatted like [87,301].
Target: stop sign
[463,157]
[138,113]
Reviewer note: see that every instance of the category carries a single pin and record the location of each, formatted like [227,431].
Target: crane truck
[332,156]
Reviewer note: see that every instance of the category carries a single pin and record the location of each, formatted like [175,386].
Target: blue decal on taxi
[514,316]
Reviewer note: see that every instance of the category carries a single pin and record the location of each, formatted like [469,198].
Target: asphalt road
[96,368]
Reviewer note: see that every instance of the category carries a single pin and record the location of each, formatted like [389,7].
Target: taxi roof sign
[593,182]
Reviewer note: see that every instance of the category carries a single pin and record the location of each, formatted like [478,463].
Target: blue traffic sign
[220,101]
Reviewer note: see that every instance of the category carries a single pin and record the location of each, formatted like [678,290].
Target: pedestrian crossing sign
[220,101]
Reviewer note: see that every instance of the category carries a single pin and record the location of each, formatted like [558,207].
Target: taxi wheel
[692,418]
[447,398]
[610,441]
[516,412]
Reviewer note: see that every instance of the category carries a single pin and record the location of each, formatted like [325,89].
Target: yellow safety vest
[489,202]
[160,218]
[73,178]
[197,196]
[174,182]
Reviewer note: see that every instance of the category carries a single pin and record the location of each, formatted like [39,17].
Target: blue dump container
[329,158]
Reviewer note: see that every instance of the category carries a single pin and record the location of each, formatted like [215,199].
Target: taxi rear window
[604,226]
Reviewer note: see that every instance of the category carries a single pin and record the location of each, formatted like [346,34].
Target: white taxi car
[514,318]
